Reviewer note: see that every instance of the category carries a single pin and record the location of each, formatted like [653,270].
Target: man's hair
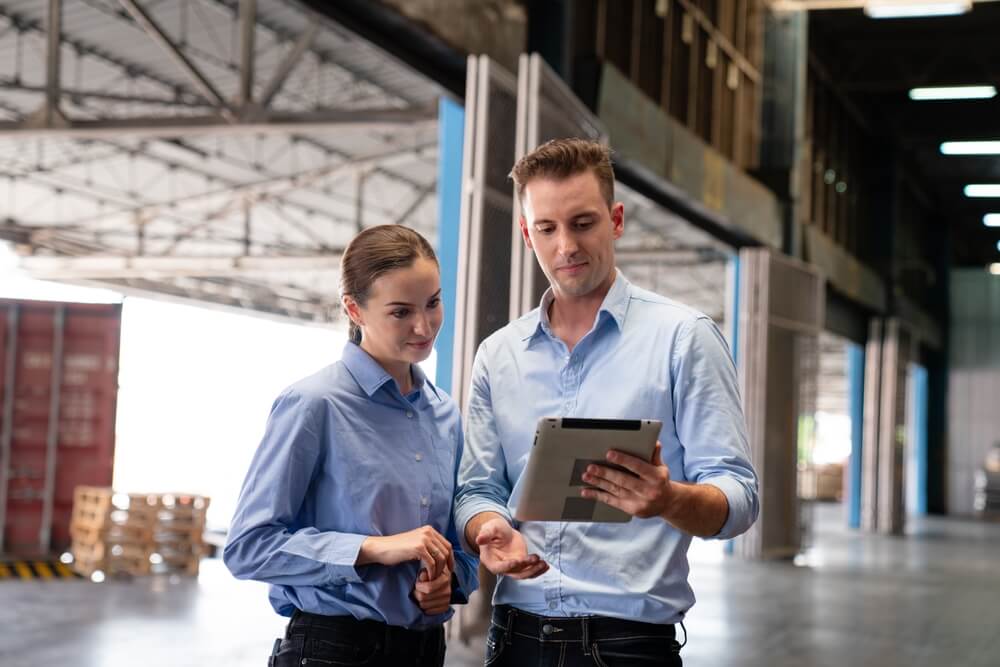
[561,158]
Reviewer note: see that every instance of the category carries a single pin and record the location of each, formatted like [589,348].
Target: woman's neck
[401,371]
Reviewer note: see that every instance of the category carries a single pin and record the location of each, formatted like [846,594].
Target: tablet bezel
[562,448]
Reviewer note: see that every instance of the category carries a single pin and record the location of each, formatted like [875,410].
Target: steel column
[53,61]
[6,434]
[52,441]
[248,29]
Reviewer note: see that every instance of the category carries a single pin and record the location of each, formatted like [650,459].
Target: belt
[301,620]
[577,628]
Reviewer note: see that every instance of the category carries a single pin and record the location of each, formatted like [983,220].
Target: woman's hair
[373,253]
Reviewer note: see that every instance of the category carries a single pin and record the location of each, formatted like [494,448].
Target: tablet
[563,448]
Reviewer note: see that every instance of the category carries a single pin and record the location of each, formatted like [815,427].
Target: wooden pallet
[119,534]
[112,560]
[89,533]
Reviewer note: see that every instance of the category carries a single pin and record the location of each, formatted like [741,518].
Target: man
[598,593]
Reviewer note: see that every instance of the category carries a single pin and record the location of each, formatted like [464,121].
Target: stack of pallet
[136,534]
[177,529]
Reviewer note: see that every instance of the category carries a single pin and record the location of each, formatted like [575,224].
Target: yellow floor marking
[4,571]
[43,570]
[63,571]
[23,570]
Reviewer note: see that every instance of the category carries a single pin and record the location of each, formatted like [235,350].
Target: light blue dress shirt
[646,357]
[344,456]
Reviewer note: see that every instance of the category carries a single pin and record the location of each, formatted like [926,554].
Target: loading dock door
[482,291]
[883,496]
[546,109]
[781,305]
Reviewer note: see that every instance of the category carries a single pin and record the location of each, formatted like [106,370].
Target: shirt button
[424,501]
[553,605]
[409,414]
[419,457]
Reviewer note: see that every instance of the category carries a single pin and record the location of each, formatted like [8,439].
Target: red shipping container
[55,359]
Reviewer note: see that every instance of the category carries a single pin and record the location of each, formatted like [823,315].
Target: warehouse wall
[974,382]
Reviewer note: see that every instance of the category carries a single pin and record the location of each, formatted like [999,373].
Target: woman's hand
[433,595]
[424,544]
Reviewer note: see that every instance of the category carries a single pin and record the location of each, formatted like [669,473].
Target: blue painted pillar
[734,333]
[734,324]
[856,407]
[451,133]
[920,437]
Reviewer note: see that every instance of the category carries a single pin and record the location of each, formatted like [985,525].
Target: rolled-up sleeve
[710,425]
[483,485]
[265,543]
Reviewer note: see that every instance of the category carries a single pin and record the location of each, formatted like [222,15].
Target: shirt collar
[369,374]
[615,304]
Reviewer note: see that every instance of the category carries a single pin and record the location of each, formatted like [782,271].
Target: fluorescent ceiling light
[890,9]
[983,190]
[991,219]
[953,93]
[970,148]
[995,268]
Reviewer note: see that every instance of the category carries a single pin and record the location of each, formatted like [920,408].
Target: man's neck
[571,317]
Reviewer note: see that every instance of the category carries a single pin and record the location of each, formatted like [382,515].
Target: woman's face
[403,314]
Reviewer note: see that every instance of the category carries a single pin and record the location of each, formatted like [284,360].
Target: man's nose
[566,244]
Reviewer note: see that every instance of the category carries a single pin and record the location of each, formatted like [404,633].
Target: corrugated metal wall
[974,382]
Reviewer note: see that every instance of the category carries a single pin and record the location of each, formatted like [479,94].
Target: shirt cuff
[339,551]
[738,519]
[468,510]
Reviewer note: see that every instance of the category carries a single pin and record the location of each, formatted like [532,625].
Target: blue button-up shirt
[646,357]
[345,455]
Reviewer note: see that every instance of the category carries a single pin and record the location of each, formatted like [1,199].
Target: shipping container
[58,394]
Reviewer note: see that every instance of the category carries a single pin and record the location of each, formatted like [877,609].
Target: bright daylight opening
[195,386]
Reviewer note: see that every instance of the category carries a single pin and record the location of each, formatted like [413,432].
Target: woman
[346,509]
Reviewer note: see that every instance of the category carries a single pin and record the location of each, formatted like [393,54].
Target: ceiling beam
[158,35]
[190,126]
[292,59]
[113,267]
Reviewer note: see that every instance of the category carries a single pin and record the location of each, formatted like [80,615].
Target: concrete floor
[930,598]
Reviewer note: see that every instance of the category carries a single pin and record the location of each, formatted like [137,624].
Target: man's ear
[523,224]
[618,219]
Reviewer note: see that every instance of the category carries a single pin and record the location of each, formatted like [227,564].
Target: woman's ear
[352,309]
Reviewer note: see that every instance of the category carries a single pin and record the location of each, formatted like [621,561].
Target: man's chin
[576,288]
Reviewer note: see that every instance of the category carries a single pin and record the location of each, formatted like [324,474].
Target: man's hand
[503,551]
[424,544]
[433,595]
[649,492]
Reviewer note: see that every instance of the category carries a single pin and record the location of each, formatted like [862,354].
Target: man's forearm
[698,509]
[474,524]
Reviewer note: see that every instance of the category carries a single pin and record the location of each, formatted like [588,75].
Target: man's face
[568,225]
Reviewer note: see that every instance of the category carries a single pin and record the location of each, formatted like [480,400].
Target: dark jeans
[519,639]
[312,640]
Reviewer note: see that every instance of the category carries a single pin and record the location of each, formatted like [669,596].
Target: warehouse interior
[179,180]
